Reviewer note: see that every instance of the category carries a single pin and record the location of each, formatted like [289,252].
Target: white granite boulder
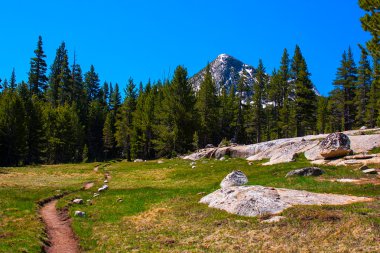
[235,178]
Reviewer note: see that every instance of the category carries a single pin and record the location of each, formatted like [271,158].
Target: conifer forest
[63,114]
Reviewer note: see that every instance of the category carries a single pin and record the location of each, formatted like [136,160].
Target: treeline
[68,116]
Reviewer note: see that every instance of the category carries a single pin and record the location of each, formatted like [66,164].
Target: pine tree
[55,78]
[240,113]
[346,78]
[322,114]
[286,123]
[335,108]
[146,109]
[12,80]
[304,96]
[108,136]
[5,84]
[226,114]
[207,108]
[37,73]
[35,137]
[305,101]
[78,92]
[363,89]
[91,82]
[105,94]
[95,125]
[124,122]
[372,111]
[258,90]
[177,117]
[275,95]
[64,134]
[286,86]
[12,129]
[284,73]
[65,89]
[371,23]
[115,98]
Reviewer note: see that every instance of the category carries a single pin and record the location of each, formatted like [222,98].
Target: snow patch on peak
[223,56]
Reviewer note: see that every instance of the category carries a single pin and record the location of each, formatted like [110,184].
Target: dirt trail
[61,236]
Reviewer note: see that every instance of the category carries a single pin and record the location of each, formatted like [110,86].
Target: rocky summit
[226,71]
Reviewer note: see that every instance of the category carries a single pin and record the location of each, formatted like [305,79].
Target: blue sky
[148,39]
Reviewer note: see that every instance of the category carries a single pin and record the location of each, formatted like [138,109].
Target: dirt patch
[357,181]
[88,185]
[61,236]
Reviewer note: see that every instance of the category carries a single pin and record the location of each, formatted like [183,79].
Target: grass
[153,207]
[375,150]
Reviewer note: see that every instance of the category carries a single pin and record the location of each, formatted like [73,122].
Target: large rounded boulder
[335,145]
[235,178]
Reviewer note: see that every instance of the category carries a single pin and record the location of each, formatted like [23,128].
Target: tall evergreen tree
[284,73]
[124,122]
[322,114]
[34,122]
[37,73]
[12,80]
[55,78]
[105,94]
[65,88]
[305,101]
[240,113]
[78,93]
[371,23]
[304,96]
[95,124]
[177,118]
[108,136]
[363,88]
[372,112]
[226,113]
[91,82]
[12,129]
[346,78]
[335,108]
[258,90]
[275,94]
[64,134]
[207,108]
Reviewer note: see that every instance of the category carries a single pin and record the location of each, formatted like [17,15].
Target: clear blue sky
[148,39]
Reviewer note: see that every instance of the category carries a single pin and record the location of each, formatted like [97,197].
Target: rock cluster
[320,149]
[103,188]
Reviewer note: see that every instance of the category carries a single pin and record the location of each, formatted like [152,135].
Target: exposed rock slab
[258,200]
[343,162]
[285,150]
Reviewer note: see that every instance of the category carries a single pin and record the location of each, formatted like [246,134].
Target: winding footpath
[61,236]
